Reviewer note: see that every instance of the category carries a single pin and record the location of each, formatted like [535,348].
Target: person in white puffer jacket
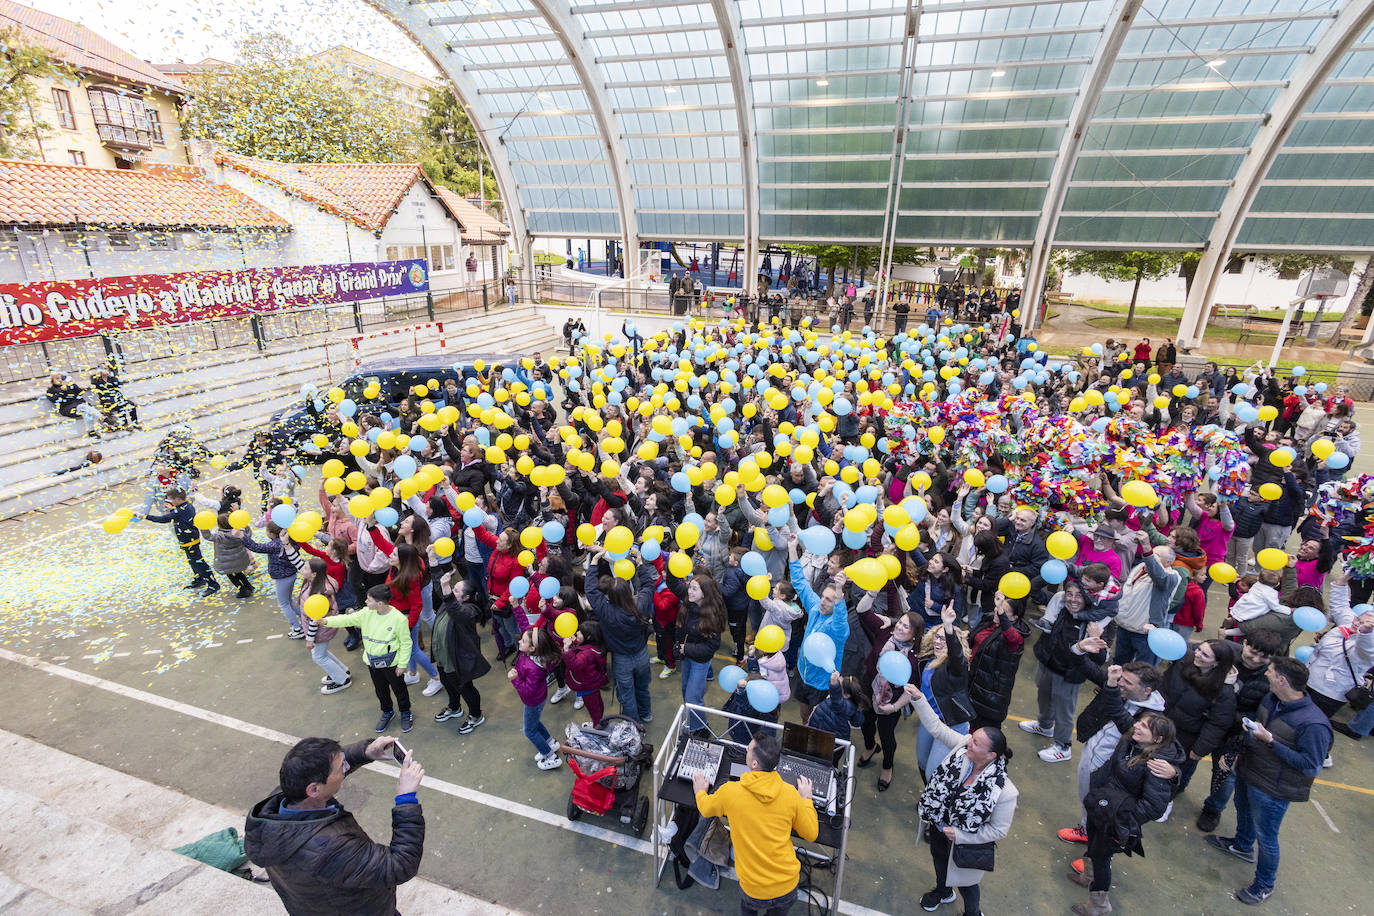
[1343,654]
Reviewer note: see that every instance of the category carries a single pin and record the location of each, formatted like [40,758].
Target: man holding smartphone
[320,860]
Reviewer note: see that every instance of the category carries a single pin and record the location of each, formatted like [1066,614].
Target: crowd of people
[659,506]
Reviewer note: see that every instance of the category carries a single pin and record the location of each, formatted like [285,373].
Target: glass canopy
[913,123]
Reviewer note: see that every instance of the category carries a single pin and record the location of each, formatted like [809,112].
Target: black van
[397,376]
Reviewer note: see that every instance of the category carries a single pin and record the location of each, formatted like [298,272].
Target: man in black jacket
[1026,551]
[1252,683]
[320,860]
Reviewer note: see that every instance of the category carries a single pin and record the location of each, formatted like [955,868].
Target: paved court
[107,658]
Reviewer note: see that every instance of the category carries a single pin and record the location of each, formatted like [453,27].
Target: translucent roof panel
[866,121]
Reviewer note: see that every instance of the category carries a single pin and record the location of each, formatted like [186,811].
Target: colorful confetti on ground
[104,595]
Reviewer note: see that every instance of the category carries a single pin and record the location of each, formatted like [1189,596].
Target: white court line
[462,792]
[1326,817]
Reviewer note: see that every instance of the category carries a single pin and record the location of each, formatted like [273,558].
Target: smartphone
[399,751]
[1249,723]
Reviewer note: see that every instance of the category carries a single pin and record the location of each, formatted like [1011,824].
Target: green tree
[451,155]
[276,104]
[1291,266]
[21,131]
[830,258]
[1131,266]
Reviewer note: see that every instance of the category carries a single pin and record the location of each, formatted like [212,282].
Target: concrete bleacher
[221,395]
[97,842]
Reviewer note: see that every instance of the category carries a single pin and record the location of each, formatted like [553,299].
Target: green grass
[1165,311]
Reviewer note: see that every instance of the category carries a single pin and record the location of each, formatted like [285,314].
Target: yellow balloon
[974,477]
[1061,545]
[465,501]
[725,494]
[1270,491]
[619,539]
[359,448]
[586,534]
[356,480]
[531,537]
[315,607]
[774,496]
[891,565]
[1322,448]
[679,564]
[333,485]
[114,524]
[1280,457]
[1140,494]
[332,468]
[686,535]
[1272,558]
[359,507]
[758,587]
[444,547]
[205,520]
[908,537]
[936,434]
[1014,585]
[770,639]
[565,624]
[1268,412]
[525,558]
[867,573]
[239,519]
[387,439]
[1224,573]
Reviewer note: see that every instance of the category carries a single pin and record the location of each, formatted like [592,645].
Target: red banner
[53,310]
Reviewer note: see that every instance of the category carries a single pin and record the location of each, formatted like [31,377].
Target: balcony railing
[118,135]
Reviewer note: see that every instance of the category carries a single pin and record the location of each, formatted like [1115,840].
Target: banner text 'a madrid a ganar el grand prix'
[52,310]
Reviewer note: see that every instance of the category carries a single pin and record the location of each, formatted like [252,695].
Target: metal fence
[81,355]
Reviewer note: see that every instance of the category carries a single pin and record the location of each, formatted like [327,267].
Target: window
[1235,265]
[120,120]
[76,156]
[450,262]
[155,126]
[160,241]
[436,257]
[119,241]
[66,115]
[393,253]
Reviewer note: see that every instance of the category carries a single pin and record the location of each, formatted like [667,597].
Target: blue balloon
[1321,387]
[854,540]
[817,539]
[1304,653]
[553,532]
[797,496]
[474,517]
[483,436]
[1338,461]
[387,516]
[1192,391]
[548,587]
[915,508]
[1299,371]
[777,517]
[692,518]
[1247,413]
[681,482]
[417,444]
[347,407]
[763,696]
[819,650]
[650,550]
[283,515]
[1054,571]
[1309,618]
[1167,644]
[753,564]
[842,408]
[997,484]
[895,667]
[519,587]
[729,677]
[404,467]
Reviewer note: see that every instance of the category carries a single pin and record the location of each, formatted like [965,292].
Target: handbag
[382,661]
[1360,696]
[977,856]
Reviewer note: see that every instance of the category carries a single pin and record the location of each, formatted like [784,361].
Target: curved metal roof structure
[1212,125]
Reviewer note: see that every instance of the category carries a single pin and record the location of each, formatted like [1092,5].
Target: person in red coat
[1190,616]
[584,661]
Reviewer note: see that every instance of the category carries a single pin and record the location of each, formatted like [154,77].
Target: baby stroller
[608,763]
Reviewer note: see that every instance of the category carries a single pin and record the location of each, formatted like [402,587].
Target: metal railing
[80,355]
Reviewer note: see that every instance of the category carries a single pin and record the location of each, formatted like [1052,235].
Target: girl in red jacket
[1189,618]
[584,659]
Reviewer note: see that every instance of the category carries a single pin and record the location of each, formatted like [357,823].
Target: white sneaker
[667,673]
[1034,728]
[1327,763]
[559,694]
[433,687]
[1168,810]
[412,677]
[549,762]
[1054,754]
[577,703]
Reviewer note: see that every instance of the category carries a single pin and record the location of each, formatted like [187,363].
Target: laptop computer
[808,752]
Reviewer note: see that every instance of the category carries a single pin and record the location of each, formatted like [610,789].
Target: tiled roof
[84,49]
[479,227]
[363,193]
[46,194]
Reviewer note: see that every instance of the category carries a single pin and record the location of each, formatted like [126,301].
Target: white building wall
[421,220]
[1252,286]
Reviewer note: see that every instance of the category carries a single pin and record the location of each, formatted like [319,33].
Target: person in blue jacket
[825,613]
[181,515]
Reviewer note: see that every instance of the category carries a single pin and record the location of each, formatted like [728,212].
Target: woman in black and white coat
[968,800]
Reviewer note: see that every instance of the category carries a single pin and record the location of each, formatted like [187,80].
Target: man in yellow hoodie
[763,812]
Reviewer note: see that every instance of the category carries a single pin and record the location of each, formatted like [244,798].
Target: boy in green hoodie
[386,647]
